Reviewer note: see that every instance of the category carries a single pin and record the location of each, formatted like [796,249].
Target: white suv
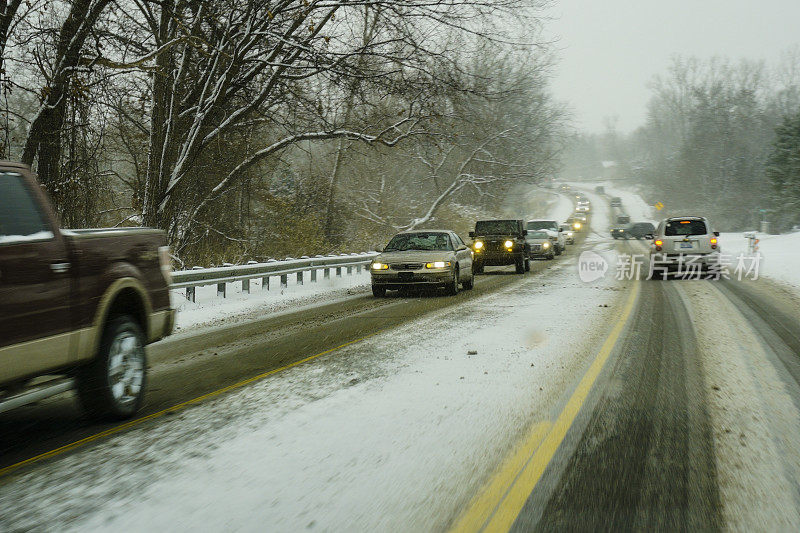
[680,241]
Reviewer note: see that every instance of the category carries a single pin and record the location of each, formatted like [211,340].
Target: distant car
[623,219]
[500,242]
[569,234]
[557,236]
[576,224]
[600,189]
[582,208]
[580,217]
[635,230]
[565,187]
[540,244]
[616,201]
[424,258]
[680,241]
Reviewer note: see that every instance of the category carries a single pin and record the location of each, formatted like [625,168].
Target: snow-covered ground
[209,309]
[394,433]
[779,255]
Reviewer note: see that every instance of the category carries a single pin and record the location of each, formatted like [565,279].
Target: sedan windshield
[685,227]
[419,241]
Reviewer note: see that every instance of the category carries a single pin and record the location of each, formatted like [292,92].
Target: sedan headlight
[577,225]
[569,234]
[509,244]
[380,266]
[478,245]
[438,264]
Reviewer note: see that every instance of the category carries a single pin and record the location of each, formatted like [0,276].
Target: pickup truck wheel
[378,292]
[520,265]
[112,386]
[558,250]
[527,264]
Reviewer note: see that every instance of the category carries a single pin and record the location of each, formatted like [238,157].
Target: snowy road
[530,403]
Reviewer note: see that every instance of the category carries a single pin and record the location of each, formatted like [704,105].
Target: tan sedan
[423,258]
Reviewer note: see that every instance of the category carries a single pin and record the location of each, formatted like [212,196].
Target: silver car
[423,258]
[540,243]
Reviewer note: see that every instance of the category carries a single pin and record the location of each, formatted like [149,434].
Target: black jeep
[500,242]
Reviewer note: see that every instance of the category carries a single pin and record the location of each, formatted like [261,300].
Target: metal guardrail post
[313,275]
[327,273]
[299,278]
[221,290]
[349,271]
[284,281]
[358,269]
[190,294]
[265,283]
[246,285]
[338,272]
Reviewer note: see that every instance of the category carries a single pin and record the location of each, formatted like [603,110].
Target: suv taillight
[713,243]
[165,261]
[658,244]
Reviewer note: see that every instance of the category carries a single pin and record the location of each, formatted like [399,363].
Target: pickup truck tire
[477,268]
[527,264]
[112,386]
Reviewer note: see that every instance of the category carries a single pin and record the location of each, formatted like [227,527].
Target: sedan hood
[410,256]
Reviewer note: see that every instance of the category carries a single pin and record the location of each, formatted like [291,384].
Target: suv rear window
[496,227]
[685,227]
[20,218]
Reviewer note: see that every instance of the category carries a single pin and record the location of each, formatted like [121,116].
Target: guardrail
[221,276]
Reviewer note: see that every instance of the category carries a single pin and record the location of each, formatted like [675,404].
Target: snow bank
[780,254]
[209,309]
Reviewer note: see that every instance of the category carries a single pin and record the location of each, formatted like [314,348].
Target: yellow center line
[122,427]
[499,503]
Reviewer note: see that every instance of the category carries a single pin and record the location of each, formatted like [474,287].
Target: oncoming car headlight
[509,244]
[478,245]
[569,234]
[546,245]
[438,264]
[577,225]
[380,266]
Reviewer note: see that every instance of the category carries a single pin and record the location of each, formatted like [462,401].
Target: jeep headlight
[509,244]
[546,245]
[380,266]
[438,264]
[478,245]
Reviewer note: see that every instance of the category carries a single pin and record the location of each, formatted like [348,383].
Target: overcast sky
[610,49]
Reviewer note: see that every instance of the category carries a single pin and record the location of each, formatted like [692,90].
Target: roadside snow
[397,432]
[209,309]
[780,255]
[754,419]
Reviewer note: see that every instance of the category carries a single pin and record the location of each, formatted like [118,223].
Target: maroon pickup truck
[77,307]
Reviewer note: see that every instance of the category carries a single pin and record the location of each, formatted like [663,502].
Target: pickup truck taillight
[165,260]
